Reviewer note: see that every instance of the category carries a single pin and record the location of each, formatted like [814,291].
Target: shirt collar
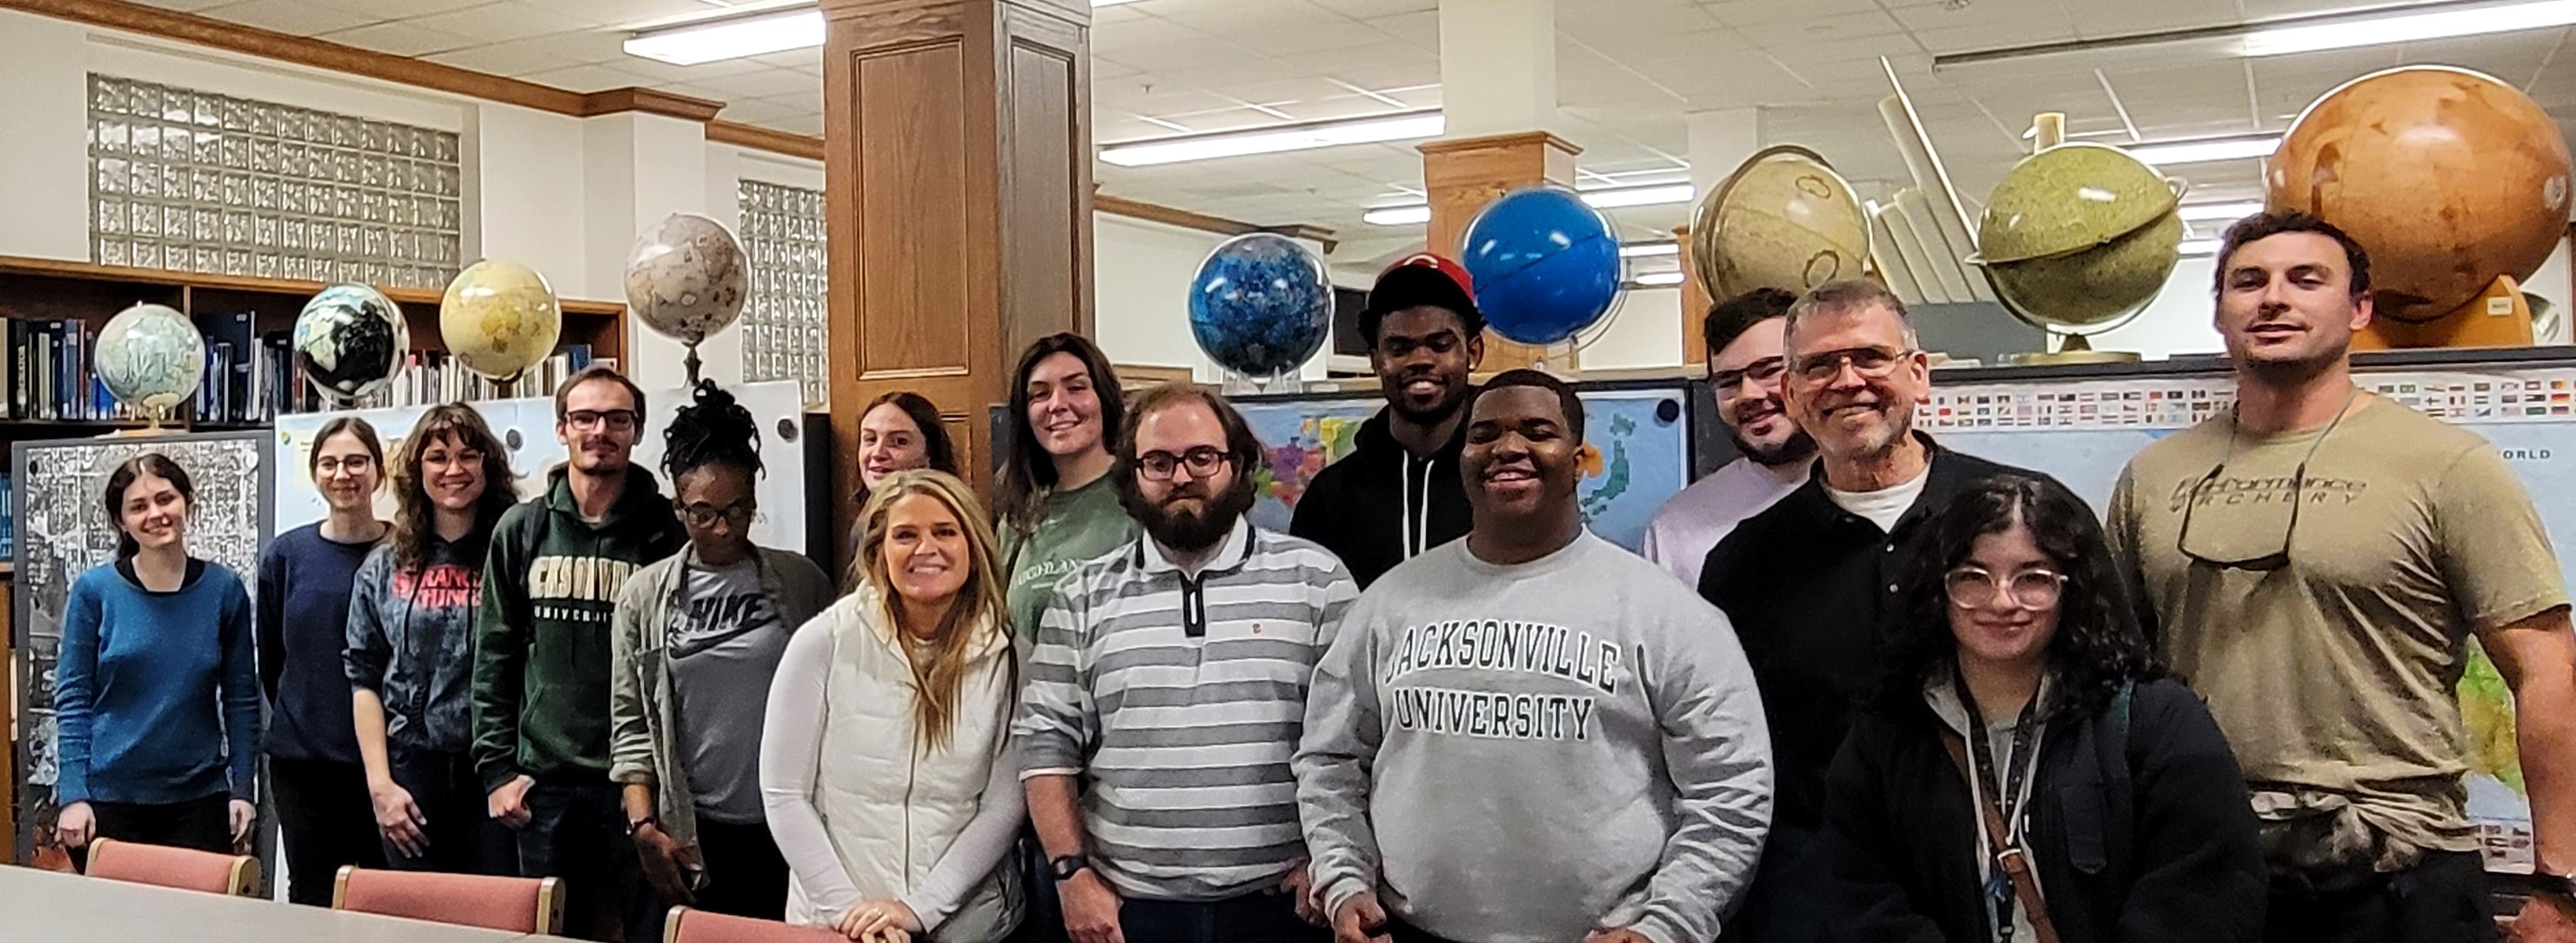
[1237,546]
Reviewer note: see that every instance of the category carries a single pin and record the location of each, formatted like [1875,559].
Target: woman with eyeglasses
[696,640]
[2028,771]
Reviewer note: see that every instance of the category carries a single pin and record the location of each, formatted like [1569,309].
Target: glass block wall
[783,328]
[199,182]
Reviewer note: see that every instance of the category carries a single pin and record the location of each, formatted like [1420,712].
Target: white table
[68,908]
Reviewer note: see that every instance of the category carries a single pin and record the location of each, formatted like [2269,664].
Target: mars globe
[350,341]
[499,317]
[2448,177]
[1783,220]
[2080,237]
[687,278]
[151,358]
[1261,304]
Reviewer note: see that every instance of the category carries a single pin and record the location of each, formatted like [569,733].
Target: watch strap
[1064,867]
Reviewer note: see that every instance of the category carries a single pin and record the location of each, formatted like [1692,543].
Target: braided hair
[712,430]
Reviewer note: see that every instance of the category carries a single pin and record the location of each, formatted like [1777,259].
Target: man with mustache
[1745,370]
[2318,559]
[1397,493]
[1165,695]
[1531,735]
[1808,580]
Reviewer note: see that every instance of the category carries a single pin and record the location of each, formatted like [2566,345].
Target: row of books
[8,521]
[434,376]
[47,376]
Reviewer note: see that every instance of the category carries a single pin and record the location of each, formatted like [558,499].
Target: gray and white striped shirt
[1180,701]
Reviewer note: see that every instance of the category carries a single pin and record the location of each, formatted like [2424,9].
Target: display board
[2084,431]
[64,530]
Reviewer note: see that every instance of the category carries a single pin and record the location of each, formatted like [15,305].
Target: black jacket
[1369,509]
[2147,841]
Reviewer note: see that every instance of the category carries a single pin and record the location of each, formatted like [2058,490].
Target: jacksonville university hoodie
[1380,506]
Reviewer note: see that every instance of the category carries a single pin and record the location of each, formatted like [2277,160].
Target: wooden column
[957,169]
[1695,302]
[1464,174]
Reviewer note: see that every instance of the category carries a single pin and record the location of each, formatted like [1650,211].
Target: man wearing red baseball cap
[1398,493]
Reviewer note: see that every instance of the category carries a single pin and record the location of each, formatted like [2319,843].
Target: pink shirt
[1687,527]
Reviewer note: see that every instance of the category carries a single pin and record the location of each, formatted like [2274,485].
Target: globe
[1261,304]
[2080,237]
[1784,219]
[151,358]
[498,318]
[2448,177]
[350,341]
[686,277]
[1544,263]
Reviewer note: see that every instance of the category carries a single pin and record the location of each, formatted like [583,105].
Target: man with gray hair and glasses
[1807,580]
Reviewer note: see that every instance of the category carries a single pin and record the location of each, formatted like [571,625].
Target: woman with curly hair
[2029,772]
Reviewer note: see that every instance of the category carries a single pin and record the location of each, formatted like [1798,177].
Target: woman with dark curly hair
[2029,772]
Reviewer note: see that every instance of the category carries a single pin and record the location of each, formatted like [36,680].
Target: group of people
[1859,686]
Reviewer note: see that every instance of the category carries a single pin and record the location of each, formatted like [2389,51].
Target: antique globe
[350,341]
[151,358]
[1261,305]
[687,277]
[499,318]
[1783,220]
[2079,238]
[2449,177]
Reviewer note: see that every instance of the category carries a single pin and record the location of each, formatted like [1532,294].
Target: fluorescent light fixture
[2193,247]
[2409,26]
[2212,212]
[1659,279]
[2206,150]
[1606,198]
[1635,250]
[731,38]
[1414,215]
[1400,126]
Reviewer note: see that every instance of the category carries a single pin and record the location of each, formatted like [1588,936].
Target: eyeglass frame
[1795,366]
[1210,456]
[2277,559]
[615,420]
[739,514]
[2001,587]
[1761,370]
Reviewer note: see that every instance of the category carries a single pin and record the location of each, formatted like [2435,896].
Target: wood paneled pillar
[1464,174]
[957,168]
[1695,302]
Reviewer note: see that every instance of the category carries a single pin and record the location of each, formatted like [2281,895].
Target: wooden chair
[699,926]
[184,868]
[516,905]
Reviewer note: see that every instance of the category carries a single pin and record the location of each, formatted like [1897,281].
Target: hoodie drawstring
[1416,526]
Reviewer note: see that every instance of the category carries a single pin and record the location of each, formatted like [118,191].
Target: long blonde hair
[978,609]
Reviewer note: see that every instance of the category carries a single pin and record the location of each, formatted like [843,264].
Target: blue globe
[1545,264]
[1261,304]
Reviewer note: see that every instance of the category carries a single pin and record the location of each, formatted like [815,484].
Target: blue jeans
[578,833]
[463,837]
[1258,917]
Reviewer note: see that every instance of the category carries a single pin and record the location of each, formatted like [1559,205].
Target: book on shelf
[47,375]
[433,376]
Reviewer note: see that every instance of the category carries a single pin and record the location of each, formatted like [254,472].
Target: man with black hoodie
[541,658]
[1398,493]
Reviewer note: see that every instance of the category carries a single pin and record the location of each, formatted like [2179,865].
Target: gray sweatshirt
[1529,753]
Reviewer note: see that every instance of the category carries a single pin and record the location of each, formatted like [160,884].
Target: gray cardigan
[642,712]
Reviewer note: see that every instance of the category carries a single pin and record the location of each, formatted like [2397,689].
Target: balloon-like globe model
[1783,220]
[1261,304]
[1545,264]
[2448,177]
[499,317]
[151,358]
[687,277]
[2080,237]
[349,341]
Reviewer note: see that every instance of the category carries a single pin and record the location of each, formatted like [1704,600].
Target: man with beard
[1397,493]
[541,656]
[2318,559]
[1166,692]
[1531,735]
[1745,367]
[1808,580]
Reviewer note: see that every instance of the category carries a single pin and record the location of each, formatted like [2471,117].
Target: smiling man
[1808,580]
[2318,560]
[1531,735]
[1745,369]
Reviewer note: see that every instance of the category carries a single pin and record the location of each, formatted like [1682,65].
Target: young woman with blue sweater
[156,694]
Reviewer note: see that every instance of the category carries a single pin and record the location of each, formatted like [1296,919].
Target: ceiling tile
[289,16]
[1798,33]
[399,38]
[587,78]
[809,124]
[506,21]
[1761,12]
[808,100]
[1367,9]
[627,14]
[660,71]
[1422,30]
[765,83]
[397,9]
[184,6]
[534,54]
[809,59]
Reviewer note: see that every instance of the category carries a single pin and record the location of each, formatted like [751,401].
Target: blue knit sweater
[156,695]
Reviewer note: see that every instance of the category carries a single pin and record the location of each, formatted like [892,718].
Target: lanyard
[2010,794]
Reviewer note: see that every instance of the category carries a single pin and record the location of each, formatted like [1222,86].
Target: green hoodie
[541,654]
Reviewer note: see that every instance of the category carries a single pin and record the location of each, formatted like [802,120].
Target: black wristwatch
[636,825]
[1066,866]
[2561,885]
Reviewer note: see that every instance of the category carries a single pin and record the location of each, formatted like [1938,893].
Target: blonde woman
[885,763]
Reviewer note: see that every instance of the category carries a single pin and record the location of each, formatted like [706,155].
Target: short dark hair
[154,464]
[1028,472]
[1729,319]
[1566,400]
[1409,286]
[2269,223]
[1242,448]
[597,371]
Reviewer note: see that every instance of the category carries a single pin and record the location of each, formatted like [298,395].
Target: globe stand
[2498,317]
[692,363]
[2074,350]
[1239,383]
[1560,357]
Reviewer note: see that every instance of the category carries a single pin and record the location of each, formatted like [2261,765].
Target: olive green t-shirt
[1079,524]
[2334,677]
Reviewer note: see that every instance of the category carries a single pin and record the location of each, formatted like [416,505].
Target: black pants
[325,820]
[2442,899]
[1260,917]
[577,832]
[463,837]
[1791,897]
[203,824]
[746,877]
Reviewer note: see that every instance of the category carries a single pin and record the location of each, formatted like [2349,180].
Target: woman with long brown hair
[1054,504]
[885,760]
